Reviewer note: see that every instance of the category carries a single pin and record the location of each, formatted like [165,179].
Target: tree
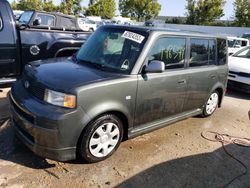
[103,8]
[139,9]
[204,12]
[48,6]
[14,5]
[242,13]
[30,5]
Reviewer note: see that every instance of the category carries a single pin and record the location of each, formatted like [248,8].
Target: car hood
[62,74]
[238,64]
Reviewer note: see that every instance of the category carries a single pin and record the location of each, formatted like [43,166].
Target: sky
[172,7]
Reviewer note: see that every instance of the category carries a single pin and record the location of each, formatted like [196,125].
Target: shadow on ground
[213,169]
[11,149]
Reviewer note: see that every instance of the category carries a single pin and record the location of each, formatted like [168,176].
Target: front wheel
[101,138]
[211,104]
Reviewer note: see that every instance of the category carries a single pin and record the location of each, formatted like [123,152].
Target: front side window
[112,49]
[46,20]
[169,50]
[25,17]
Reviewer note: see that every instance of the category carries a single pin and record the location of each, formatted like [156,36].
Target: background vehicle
[38,19]
[236,43]
[86,24]
[38,35]
[123,82]
[17,13]
[246,35]
[239,70]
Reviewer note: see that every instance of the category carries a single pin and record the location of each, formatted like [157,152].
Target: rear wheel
[211,104]
[101,138]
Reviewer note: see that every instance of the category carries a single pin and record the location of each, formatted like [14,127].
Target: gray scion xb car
[123,82]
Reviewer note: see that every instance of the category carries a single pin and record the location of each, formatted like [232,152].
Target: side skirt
[148,127]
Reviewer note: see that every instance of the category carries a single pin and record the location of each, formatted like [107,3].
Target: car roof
[53,13]
[237,38]
[164,30]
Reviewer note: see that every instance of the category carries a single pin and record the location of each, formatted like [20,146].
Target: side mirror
[37,22]
[237,46]
[155,66]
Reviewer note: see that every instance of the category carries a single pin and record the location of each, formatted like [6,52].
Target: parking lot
[175,156]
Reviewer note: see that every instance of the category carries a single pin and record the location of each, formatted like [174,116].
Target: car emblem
[26,84]
[34,50]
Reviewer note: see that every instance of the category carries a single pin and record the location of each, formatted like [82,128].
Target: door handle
[183,81]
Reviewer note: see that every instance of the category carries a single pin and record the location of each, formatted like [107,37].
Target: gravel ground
[174,156]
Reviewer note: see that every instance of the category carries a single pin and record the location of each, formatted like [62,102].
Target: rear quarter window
[222,51]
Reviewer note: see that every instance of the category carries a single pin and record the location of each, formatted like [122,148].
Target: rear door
[202,74]
[9,56]
[162,95]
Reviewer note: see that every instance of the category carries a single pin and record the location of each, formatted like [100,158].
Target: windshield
[232,43]
[245,53]
[25,17]
[112,49]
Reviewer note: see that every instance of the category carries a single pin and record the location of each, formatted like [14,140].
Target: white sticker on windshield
[133,36]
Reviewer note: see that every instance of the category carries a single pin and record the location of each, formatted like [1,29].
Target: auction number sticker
[133,36]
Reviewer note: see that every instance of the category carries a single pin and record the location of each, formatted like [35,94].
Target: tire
[211,104]
[100,139]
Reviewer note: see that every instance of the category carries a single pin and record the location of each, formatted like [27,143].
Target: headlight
[60,99]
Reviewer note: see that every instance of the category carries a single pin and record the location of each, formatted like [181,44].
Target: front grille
[22,113]
[36,89]
[243,74]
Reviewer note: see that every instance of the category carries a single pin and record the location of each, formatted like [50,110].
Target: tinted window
[199,52]
[46,20]
[222,51]
[67,23]
[169,50]
[25,17]
[212,52]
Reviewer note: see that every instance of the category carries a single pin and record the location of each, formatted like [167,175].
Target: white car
[86,24]
[239,70]
[236,43]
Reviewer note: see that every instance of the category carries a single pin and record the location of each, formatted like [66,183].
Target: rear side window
[222,51]
[46,20]
[202,52]
[67,23]
[169,50]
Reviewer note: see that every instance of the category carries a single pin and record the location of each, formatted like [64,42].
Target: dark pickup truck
[22,42]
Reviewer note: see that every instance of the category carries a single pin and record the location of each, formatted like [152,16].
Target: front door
[162,95]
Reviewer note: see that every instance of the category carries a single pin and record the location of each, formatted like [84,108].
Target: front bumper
[49,131]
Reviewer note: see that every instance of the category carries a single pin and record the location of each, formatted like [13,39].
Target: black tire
[206,112]
[89,133]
